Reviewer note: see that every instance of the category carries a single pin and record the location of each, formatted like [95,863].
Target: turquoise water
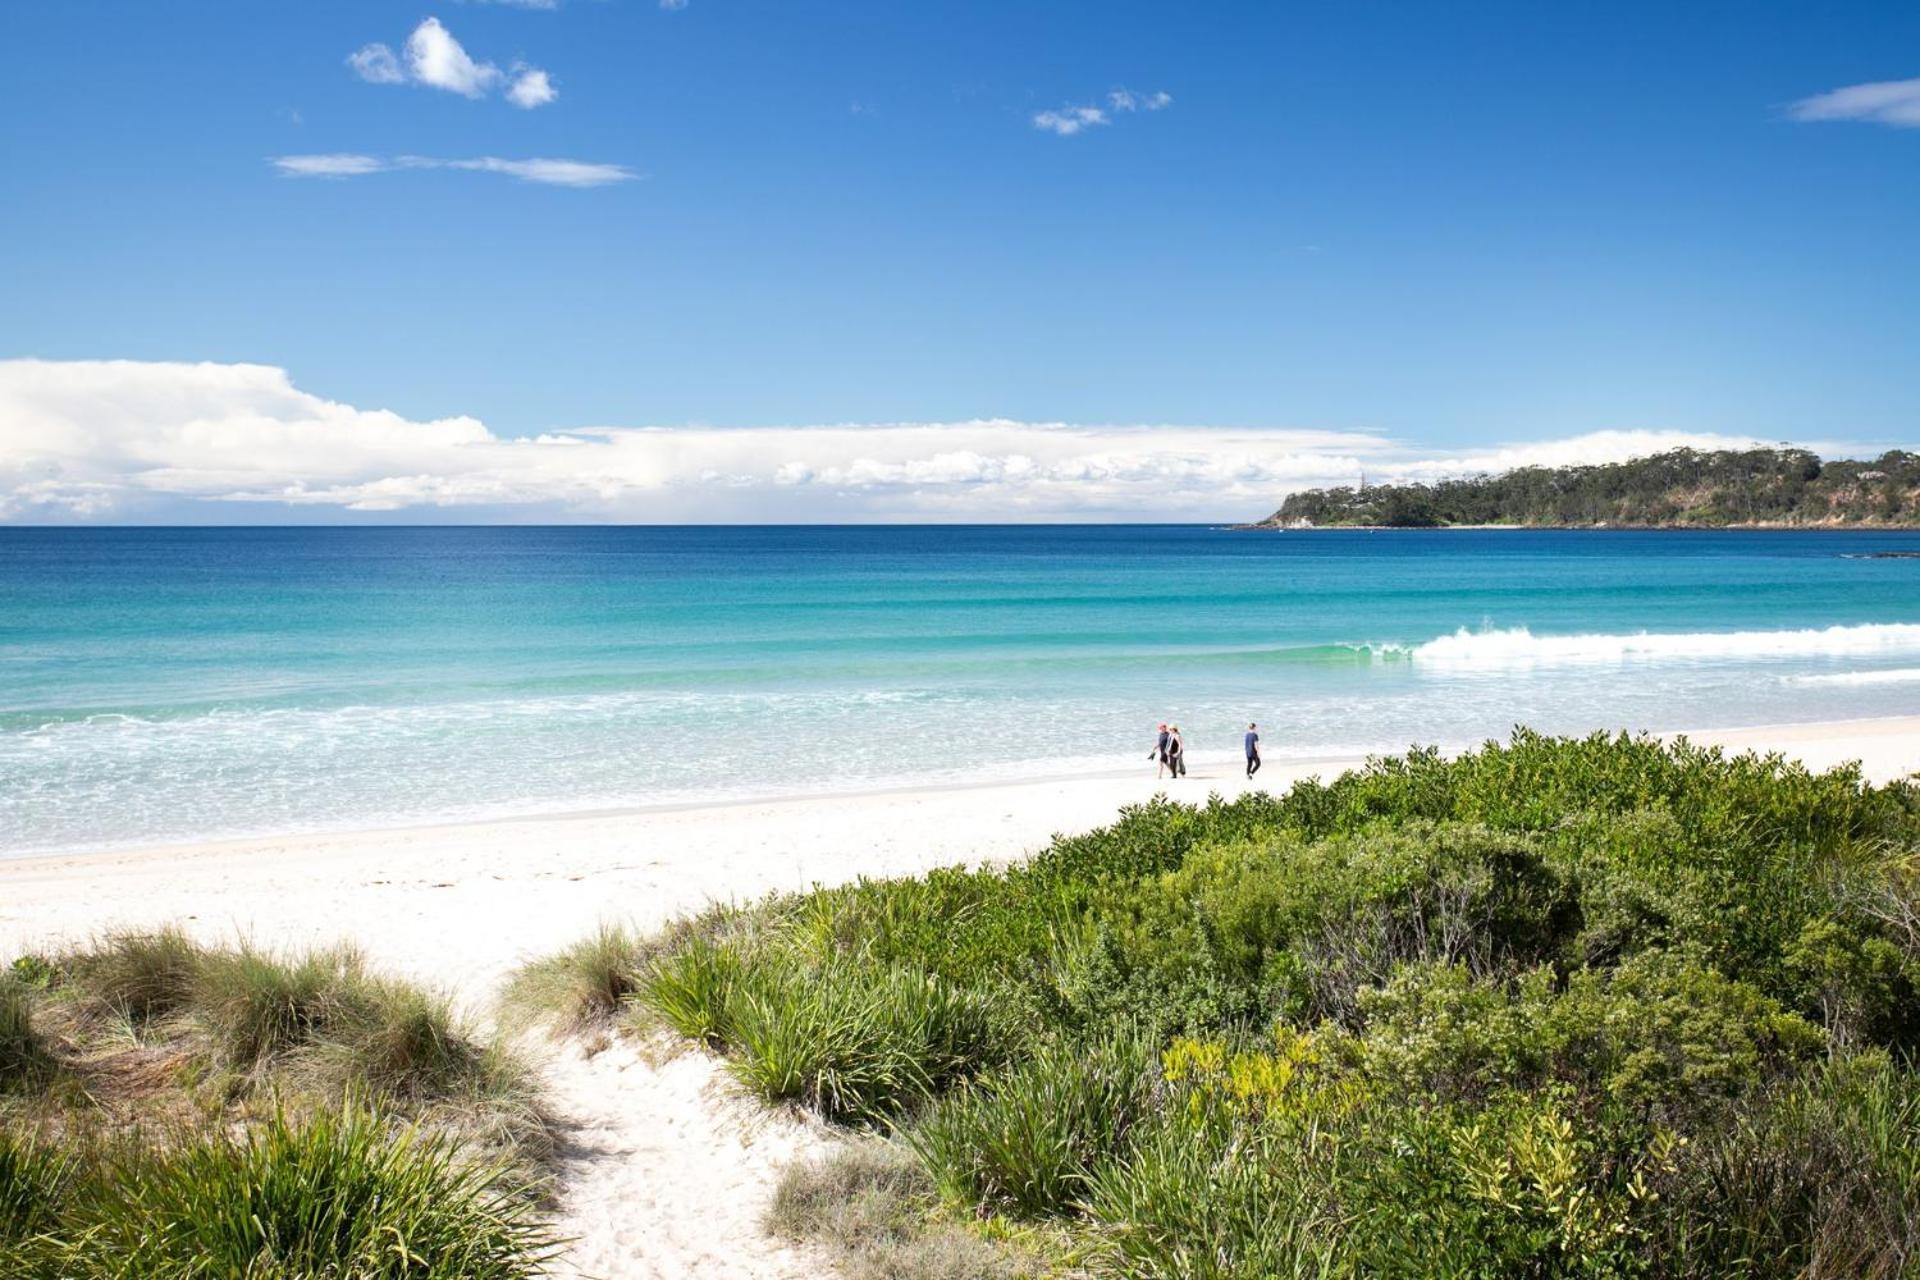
[170,684]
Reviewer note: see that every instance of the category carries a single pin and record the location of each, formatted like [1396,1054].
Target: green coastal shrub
[1602,1007]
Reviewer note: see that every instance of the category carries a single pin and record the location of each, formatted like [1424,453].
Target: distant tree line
[1684,488]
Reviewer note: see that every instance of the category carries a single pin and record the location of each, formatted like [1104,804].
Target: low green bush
[1555,1007]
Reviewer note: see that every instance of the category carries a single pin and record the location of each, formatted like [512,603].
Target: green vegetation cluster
[174,1112]
[1684,488]
[1556,1008]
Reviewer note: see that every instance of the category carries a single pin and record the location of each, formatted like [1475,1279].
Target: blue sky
[1450,226]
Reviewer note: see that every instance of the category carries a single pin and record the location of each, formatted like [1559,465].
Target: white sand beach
[670,1174]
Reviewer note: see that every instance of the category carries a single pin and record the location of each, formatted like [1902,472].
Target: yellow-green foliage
[1299,1080]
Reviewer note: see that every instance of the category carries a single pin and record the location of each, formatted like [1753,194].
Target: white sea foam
[1519,647]
[1898,675]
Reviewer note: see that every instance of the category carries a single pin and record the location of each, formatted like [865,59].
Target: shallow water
[172,684]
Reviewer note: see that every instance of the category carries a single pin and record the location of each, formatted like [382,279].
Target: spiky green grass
[24,1061]
[340,1195]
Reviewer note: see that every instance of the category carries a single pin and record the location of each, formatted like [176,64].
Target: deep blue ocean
[165,684]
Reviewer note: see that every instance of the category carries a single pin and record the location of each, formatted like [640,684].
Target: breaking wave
[1517,646]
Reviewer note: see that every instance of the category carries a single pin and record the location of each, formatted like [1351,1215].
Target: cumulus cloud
[1893,102]
[531,88]
[548,172]
[434,58]
[133,440]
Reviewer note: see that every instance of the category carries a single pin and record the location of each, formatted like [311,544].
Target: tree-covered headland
[1684,488]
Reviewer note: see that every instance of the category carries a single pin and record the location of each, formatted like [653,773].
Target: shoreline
[1741,737]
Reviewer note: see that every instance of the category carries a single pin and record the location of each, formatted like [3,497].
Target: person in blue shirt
[1159,752]
[1253,749]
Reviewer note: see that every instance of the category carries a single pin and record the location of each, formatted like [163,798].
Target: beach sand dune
[667,1171]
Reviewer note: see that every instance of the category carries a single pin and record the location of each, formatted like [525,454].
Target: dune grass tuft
[872,1205]
[694,990]
[342,1194]
[853,1044]
[337,1196]
[138,976]
[257,1006]
[218,1030]
[274,1115]
[580,988]
[23,1057]
[33,1183]
[1025,1140]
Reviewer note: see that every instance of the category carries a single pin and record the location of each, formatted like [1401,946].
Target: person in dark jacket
[1159,753]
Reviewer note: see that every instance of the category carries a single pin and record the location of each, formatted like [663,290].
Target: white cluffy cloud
[1894,102]
[435,59]
[1069,120]
[550,172]
[130,440]
[531,88]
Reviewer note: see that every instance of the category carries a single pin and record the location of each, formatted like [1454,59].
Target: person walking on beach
[1176,753]
[1253,749]
[1159,752]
